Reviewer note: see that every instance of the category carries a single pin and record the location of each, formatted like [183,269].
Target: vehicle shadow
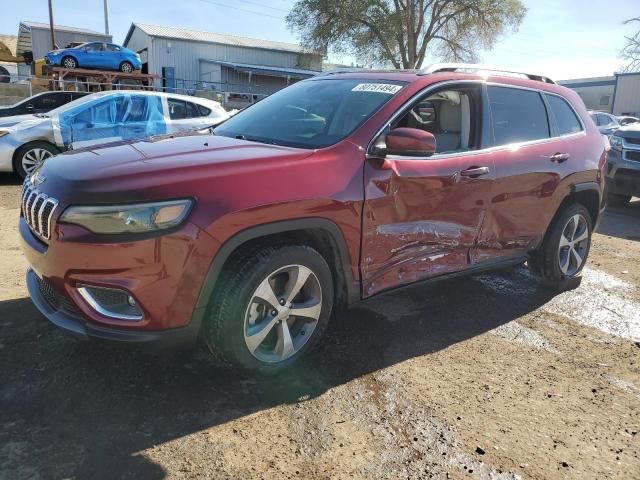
[84,409]
[9,179]
[622,222]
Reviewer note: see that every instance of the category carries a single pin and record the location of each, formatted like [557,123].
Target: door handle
[474,172]
[560,157]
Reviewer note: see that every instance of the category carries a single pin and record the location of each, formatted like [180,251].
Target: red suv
[335,189]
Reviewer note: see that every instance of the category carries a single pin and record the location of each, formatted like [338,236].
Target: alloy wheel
[283,313]
[126,68]
[574,243]
[69,63]
[34,158]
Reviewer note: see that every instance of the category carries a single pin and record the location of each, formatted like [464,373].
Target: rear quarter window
[566,119]
[517,115]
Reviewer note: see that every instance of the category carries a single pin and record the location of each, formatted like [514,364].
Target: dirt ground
[487,377]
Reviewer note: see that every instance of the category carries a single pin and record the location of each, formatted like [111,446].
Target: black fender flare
[351,285]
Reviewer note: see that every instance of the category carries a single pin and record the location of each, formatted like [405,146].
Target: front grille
[53,298]
[633,155]
[37,210]
[635,141]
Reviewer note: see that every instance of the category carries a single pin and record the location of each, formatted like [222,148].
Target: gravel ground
[485,377]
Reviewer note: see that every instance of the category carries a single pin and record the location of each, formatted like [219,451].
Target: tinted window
[311,114]
[94,47]
[518,115]
[192,110]
[566,118]
[204,111]
[177,109]
[113,48]
[50,101]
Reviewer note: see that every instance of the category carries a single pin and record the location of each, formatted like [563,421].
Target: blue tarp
[125,116]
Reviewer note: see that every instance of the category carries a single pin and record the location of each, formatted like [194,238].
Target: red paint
[402,219]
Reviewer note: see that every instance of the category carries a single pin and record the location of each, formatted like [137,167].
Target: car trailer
[85,80]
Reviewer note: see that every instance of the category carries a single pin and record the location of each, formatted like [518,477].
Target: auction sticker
[377,88]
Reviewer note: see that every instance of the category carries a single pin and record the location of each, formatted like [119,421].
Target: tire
[618,200]
[126,67]
[69,62]
[237,321]
[557,261]
[31,155]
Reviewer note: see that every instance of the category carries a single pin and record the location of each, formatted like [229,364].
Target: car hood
[157,167]
[629,131]
[15,119]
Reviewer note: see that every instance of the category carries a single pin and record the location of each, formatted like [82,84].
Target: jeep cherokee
[328,192]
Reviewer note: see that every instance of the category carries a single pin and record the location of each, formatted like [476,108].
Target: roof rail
[336,71]
[478,67]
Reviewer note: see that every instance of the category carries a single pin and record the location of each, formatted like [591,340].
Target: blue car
[96,55]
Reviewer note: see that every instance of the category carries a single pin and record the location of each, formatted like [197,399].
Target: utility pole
[106,17]
[53,33]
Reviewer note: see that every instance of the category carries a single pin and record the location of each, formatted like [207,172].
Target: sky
[559,38]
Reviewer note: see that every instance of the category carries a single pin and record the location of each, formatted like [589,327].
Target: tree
[402,32]
[631,51]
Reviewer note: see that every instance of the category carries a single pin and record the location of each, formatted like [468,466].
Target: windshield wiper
[257,140]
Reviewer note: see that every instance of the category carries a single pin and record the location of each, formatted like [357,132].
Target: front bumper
[63,314]
[623,172]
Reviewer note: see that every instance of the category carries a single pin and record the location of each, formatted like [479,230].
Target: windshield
[311,114]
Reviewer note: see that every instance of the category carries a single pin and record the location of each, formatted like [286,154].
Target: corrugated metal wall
[192,73]
[627,96]
[41,40]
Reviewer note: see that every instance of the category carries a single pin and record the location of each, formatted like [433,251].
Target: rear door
[423,215]
[529,158]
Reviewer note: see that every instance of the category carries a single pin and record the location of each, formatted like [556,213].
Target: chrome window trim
[481,151]
[87,297]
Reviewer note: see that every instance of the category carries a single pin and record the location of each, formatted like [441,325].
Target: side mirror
[410,142]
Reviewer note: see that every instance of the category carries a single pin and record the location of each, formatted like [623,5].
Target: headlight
[616,142]
[134,218]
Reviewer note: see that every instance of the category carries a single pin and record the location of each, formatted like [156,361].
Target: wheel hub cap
[282,314]
[34,158]
[574,242]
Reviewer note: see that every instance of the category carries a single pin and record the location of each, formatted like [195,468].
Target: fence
[19,87]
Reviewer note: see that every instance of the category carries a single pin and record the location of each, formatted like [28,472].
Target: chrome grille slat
[38,210]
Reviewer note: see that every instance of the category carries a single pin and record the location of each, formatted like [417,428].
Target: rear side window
[517,115]
[204,111]
[566,118]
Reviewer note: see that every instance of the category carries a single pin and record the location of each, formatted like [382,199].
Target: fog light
[111,302]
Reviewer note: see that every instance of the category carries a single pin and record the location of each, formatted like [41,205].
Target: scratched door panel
[421,218]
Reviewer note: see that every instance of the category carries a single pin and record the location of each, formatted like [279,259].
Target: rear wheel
[30,156]
[69,62]
[618,200]
[126,67]
[564,251]
[272,306]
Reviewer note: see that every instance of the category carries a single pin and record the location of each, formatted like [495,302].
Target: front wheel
[126,67]
[69,62]
[272,305]
[564,252]
[31,156]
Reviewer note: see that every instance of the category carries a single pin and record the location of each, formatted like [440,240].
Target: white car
[102,118]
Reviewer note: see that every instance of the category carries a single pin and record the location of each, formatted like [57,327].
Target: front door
[423,216]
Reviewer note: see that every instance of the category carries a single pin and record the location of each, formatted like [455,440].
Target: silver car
[101,118]
[607,124]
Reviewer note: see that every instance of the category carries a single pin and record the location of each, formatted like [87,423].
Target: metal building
[192,60]
[619,94]
[596,93]
[35,37]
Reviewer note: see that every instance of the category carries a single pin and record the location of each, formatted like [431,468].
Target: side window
[113,48]
[517,115]
[566,118]
[177,109]
[192,110]
[204,111]
[451,115]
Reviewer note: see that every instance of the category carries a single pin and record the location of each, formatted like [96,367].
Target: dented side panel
[421,218]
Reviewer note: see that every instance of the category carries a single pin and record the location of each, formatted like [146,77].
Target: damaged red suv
[330,191]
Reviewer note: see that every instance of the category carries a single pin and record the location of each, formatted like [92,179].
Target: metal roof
[266,69]
[210,37]
[61,28]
